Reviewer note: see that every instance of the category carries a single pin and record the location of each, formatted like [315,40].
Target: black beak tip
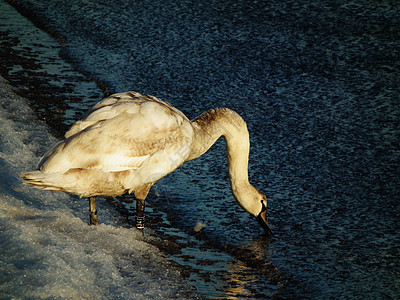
[268,230]
[264,224]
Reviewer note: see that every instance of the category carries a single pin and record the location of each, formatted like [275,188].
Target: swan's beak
[262,220]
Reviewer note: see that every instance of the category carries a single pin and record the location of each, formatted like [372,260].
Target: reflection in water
[240,274]
[236,281]
[252,268]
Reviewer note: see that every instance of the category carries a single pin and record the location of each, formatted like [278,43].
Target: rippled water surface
[318,85]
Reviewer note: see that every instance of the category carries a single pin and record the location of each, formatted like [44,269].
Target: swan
[128,141]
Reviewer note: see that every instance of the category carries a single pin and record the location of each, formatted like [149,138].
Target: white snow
[47,250]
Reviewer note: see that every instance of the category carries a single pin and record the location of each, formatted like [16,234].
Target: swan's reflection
[243,274]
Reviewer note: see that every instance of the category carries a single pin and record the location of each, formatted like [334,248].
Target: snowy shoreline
[48,250]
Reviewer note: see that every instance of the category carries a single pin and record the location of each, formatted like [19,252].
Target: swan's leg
[140,214]
[93,211]
[141,194]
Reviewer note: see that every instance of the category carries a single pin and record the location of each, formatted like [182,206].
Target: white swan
[128,141]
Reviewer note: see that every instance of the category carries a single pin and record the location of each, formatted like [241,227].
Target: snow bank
[46,247]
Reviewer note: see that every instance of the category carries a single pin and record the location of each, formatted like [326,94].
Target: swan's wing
[113,106]
[122,136]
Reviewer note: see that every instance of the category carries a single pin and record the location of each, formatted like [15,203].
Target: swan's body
[128,141]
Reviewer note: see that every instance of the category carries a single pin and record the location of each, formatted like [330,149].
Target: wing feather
[119,133]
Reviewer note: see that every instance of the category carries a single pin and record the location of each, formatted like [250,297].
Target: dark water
[318,84]
[30,60]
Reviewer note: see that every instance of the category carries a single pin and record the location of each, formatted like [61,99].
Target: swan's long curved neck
[211,125]
[215,123]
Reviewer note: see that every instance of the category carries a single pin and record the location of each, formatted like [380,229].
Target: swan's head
[254,202]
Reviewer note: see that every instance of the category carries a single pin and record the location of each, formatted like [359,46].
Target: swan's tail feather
[43,181]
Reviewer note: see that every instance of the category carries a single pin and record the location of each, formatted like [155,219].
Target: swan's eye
[264,206]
